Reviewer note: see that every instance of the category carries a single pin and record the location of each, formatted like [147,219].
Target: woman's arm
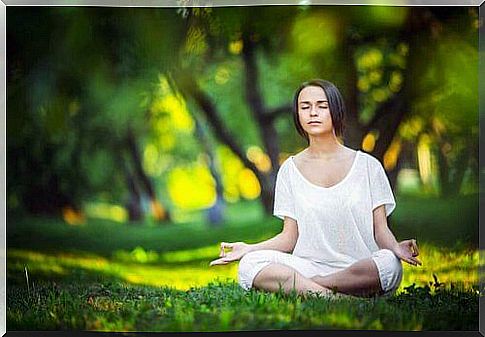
[284,241]
[406,250]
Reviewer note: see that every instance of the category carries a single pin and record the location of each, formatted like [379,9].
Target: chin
[317,133]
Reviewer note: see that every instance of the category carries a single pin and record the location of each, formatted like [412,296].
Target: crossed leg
[277,276]
[359,279]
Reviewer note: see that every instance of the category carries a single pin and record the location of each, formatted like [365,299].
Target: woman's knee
[252,259]
[250,265]
[395,265]
[390,269]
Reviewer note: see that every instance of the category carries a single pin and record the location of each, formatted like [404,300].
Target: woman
[334,202]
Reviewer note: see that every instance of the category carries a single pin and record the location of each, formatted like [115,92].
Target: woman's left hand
[407,250]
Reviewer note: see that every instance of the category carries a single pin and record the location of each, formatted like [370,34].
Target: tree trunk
[265,119]
[158,211]
[459,169]
[133,204]
[353,133]
[451,173]
[393,174]
[267,193]
[43,194]
[189,87]
[215,214]
[390,114]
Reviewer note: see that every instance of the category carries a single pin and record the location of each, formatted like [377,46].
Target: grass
[114,277]
[222,306]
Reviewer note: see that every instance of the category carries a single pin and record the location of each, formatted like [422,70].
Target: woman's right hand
[238,250]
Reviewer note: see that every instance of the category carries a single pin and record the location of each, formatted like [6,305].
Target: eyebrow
[308,102]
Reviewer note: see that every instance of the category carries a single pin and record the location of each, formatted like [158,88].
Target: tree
[398,37]
[79,101]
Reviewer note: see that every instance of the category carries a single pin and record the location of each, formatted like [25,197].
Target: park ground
[108,276]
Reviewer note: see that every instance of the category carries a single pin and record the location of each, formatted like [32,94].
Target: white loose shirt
[335,224]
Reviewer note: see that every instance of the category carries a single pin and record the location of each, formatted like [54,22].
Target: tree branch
[253,95]
[272,114]
[188,86]
[255,102]
[384,109]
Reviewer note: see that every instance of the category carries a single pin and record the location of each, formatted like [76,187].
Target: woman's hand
[238,250]
[407,250]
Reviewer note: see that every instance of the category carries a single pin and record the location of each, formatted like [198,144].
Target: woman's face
[314,111]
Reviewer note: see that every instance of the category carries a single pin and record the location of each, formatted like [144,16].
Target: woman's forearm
[385,239]
[282,242]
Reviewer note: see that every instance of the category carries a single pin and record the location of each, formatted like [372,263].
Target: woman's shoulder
[286,162]
[290,160]
[372,161]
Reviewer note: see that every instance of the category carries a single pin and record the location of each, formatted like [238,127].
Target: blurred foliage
[81,79]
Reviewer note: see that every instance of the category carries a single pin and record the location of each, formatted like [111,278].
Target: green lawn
[110,276]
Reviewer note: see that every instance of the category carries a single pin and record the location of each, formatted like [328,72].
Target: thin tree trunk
[189,86]
[255,101]
[267,193]
[158,211]
[443,171]
[388,117]
[393,174]
[460,167]
[353,132]
[133,204]
[264,120]
[215,214]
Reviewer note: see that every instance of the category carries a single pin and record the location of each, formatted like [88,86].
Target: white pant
[388,265]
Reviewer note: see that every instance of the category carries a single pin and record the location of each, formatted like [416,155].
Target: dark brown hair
[335,103]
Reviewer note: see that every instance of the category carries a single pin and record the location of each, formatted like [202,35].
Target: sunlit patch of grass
[209,253]
[190,267]
[181,276]
[150,256]
[450,266]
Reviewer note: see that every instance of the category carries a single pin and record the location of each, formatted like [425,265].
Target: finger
[411,262]
[414,261]
[222,253]
[218,262]
[225,260]
[409,259]
[226,245]
[415,246]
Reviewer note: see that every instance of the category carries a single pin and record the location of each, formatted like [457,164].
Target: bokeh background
[139,138]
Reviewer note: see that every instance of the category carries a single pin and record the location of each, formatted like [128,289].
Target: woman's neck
[324,147]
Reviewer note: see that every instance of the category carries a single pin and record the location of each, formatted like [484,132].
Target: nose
[313,111]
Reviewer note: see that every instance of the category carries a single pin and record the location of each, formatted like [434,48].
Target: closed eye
[320,107]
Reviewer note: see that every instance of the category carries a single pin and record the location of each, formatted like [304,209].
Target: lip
[314,122]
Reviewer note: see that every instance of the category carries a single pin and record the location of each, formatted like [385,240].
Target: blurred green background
[139,138]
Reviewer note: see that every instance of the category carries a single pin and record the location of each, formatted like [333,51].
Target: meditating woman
[334,202]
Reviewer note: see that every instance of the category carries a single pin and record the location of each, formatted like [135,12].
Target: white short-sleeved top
[335,224]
